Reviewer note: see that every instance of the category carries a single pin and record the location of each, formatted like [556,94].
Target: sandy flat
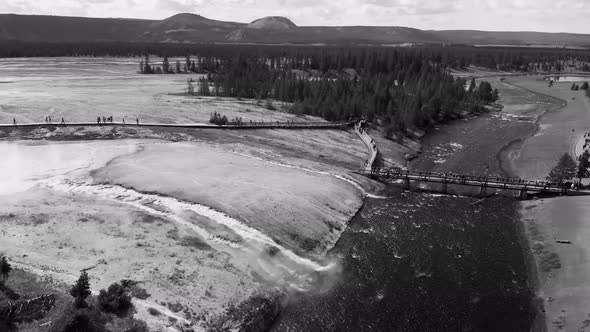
[563,269]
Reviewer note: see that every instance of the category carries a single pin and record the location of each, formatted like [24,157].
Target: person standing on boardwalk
[98,120]
[63,121]
[137,121]
[14,121]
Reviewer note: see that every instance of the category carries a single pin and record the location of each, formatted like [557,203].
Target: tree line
[393,88]
[457,56]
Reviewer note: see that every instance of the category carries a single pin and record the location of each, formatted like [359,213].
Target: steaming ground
[197,225]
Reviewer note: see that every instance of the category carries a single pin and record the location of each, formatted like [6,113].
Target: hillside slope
[191,28]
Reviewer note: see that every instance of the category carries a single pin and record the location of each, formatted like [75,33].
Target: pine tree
[81,290]
[165,65]
[583,165]
[564,170]
[187,61]
[5,268]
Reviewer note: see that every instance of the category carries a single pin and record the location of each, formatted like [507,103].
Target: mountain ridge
[193,28]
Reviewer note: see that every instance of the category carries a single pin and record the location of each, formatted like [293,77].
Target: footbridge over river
[523,187]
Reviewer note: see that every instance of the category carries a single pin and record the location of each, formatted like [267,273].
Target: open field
[80,89]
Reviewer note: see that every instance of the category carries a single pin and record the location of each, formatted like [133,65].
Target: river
[419,262]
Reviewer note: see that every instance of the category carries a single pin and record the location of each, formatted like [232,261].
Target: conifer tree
[564,170]
[81,290]
[165,66]
[583,166]
[5,268]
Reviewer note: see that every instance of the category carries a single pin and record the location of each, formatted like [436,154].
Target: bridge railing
[452,178]
[235,125]
[286,124]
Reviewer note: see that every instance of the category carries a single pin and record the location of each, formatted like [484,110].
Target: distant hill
[191,28]
[272,23]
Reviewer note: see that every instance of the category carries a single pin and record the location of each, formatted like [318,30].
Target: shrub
[115,299]
[138,326]
[154,312]
[72,320]
[269,106]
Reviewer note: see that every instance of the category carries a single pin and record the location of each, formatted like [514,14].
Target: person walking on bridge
[63,122]
[14,121]
[137,121]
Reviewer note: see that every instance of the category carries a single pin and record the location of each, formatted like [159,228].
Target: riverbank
[563,269]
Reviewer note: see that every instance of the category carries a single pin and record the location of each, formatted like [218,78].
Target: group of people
[104,120]
[481,178]
[587,140]
[47,120]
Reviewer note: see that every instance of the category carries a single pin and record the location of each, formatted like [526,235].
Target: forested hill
[191,28]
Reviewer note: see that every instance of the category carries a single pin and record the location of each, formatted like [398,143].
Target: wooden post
[444,188]
[523,194]
[407,183]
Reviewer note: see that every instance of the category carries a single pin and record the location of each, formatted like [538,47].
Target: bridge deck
[245,125]
[474,181]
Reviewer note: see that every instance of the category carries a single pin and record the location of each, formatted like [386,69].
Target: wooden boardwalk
[244,125]
[369,142]
[524,187]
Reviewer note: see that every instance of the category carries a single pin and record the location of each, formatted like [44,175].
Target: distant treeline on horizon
[456,56]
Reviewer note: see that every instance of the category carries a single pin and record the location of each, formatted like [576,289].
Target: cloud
[180,5]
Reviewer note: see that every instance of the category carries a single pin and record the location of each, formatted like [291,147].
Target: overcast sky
[535,15]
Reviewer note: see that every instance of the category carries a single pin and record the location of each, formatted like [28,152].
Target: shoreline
[539,323]
[558,269]
[503,159]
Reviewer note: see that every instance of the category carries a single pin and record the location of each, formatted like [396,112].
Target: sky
[495,15]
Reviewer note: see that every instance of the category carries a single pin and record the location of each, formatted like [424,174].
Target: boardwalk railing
[369,142]
[523,186]
[241,125]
